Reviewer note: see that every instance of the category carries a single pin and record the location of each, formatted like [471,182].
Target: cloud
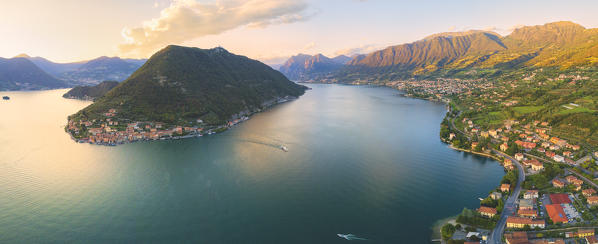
[363,49]
[512,28]
[309,46]
[274,60]
[491,29]
[185,20]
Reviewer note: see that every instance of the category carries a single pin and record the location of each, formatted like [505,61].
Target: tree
[470,229]
[489,202]
[500,205]
[447,231]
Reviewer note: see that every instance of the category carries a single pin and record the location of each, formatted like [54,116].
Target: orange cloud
[186,20]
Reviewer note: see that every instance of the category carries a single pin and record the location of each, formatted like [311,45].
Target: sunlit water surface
[362,160]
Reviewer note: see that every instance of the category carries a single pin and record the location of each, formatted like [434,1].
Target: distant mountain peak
[305,67]
[219,50]
[22,55]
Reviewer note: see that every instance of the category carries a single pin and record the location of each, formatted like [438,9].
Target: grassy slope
[180,83]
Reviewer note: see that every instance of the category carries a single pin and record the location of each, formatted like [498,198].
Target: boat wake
[262,143]
[351,237]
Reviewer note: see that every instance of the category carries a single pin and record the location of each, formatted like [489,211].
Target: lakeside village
[556,202]
[111,131]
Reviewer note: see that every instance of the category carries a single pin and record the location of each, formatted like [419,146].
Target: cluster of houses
[532,136]
[106,133]
[558,208]
[109,131]
[441,87]
[520,237]
[577,185]
[527,213]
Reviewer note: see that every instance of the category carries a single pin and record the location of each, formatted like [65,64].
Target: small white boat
[351,237]
[282,147]
[481,199]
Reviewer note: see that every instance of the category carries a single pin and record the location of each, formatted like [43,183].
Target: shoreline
[436,236]
[488,155]
[212,130]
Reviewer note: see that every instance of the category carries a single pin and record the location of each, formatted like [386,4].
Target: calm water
[362,160]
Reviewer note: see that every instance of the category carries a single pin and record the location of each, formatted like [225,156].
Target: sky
[267,30]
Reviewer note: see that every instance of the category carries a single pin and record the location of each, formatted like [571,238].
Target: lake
[361,160]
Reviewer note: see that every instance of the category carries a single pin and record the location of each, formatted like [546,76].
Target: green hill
[179,84]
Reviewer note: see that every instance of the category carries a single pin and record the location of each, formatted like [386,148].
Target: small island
[182,92]
[6,98]
[90,93]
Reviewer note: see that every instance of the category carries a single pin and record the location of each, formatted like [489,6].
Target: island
[90,93]
[182,92]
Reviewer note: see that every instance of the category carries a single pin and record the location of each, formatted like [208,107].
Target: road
[510,208]
[455,127]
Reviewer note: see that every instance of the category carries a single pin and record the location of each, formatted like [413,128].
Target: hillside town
[548,193]
[111,131]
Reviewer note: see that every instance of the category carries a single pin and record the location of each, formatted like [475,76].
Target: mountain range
[50,67]
[307,67]
[40,73]
[103,68]
[475,53]
[22,74]
[179,84]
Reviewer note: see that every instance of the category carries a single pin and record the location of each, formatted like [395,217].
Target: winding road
[510,207]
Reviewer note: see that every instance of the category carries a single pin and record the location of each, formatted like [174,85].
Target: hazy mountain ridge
[90,72]
[100,69]
[50,67]
[183,83]
[305,67]
[21,74]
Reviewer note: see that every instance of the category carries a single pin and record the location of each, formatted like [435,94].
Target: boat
[481,199]
[6,97]
[282,147]
[351,237]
